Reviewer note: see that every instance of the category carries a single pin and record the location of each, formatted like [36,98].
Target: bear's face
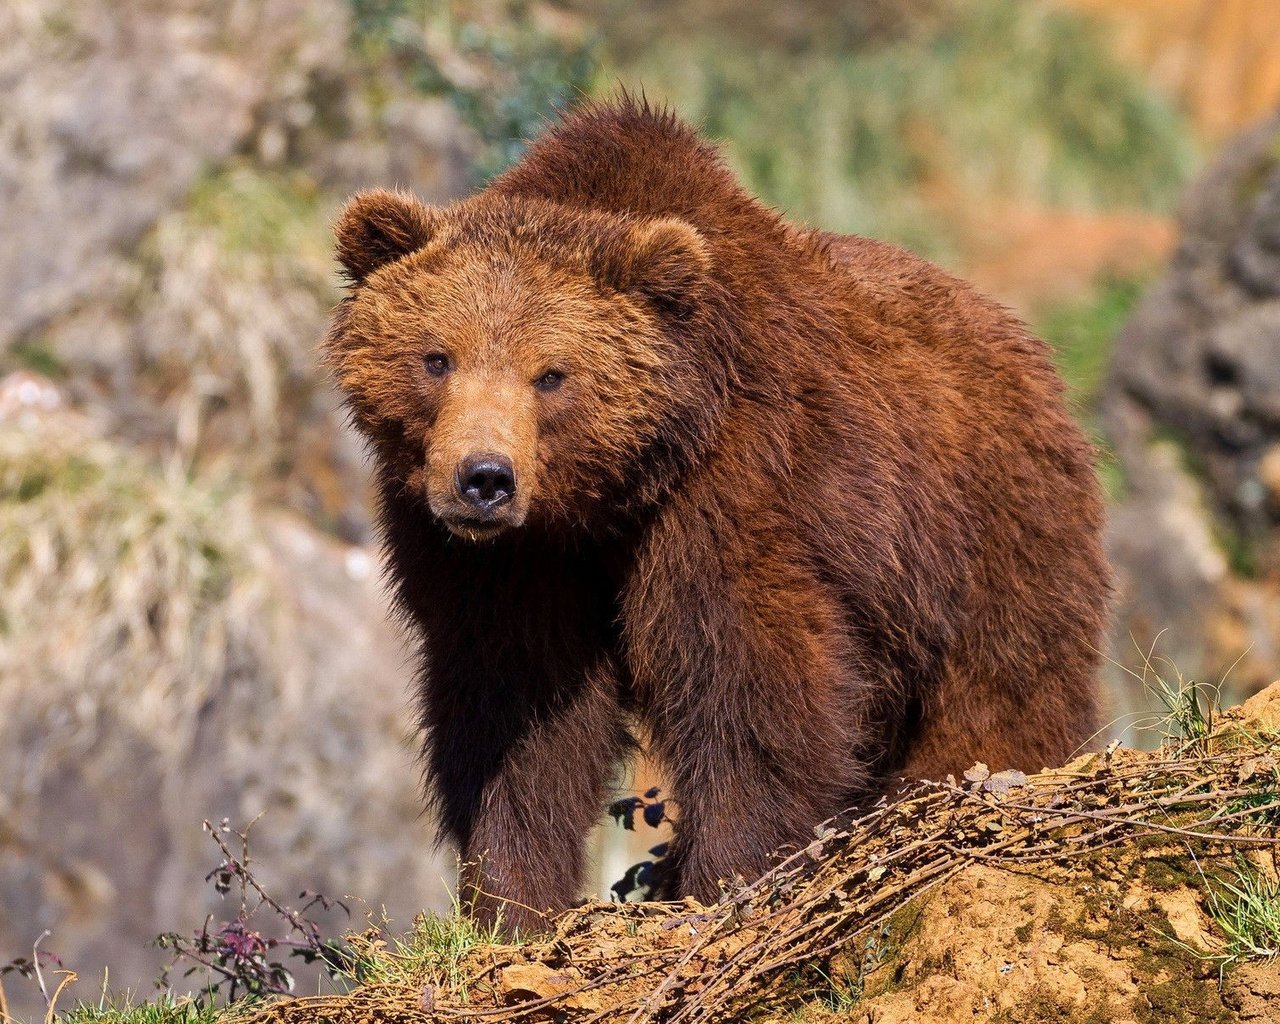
[512,362]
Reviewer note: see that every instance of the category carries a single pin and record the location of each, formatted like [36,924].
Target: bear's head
[514,361]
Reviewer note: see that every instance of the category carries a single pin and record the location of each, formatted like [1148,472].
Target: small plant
[1261,809]
[641,881]
[34,969]
[238,958]
[165,1009]
[839,996]
[1190,708]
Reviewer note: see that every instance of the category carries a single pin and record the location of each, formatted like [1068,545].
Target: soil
[1082,894]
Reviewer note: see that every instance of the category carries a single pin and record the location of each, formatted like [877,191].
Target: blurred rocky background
[191,624]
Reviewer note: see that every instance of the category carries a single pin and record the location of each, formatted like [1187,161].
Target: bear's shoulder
[625,156]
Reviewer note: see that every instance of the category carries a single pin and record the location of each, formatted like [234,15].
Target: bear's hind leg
[1013,721]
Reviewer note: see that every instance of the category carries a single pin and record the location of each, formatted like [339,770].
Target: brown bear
[805,511]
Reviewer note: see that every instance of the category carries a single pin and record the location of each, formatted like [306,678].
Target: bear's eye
[437,364]
[549,381]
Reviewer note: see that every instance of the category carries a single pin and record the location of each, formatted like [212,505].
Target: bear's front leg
[751,691]
[750,778]
[519,761]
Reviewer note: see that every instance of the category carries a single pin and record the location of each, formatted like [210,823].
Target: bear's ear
[665,260]
[377,227]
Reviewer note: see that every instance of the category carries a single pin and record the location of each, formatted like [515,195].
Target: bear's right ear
[666,260]
[377,227]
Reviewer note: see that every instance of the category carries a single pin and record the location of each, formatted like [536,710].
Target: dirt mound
[1113,943]
[1118,888]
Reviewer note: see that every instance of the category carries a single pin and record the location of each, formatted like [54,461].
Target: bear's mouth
[472,528]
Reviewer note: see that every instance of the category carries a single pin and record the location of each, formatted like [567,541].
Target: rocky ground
[1124,888]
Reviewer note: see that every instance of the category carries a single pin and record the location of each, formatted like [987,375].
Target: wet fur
[832,523]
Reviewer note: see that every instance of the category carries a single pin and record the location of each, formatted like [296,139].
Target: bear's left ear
[667,261]
[377,227]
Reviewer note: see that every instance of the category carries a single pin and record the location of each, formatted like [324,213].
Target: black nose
[486,481]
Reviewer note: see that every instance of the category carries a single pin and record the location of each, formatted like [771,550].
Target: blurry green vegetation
[119,583]
[1242,552]
[551,77]
[1107,466]
[864,127]
[230,301]
[991,98]
[540,68]
[1082,332]
[36,356]
[253,211]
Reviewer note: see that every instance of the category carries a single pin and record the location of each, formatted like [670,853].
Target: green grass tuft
[165,1009]
[1248,912]
[433,951]
[1189,709]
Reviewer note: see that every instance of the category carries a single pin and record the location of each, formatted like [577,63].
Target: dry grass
[234,291]
[123,589]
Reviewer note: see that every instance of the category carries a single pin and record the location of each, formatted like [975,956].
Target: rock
[988,945]
[1260,713]
[1186,920]
[112,111]
[1256,254]
[1050,945]
[26,396]
[520,983]
[1001,783]
[1171,575]
[534,982]
[1192,406]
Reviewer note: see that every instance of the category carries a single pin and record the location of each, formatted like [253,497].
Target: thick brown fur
[806,509]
